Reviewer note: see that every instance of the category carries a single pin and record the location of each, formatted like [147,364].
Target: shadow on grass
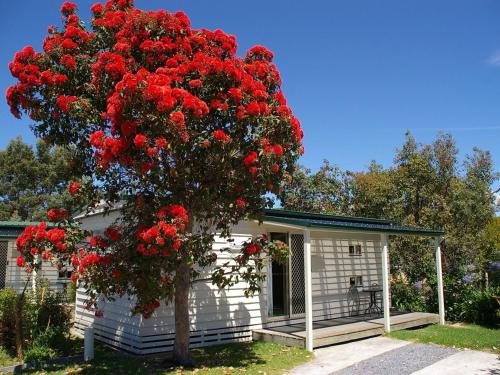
[229,355]
[108,360]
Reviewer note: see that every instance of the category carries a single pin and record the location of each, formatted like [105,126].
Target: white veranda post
[385,283]
[35,277]
[308,290]
[439,281]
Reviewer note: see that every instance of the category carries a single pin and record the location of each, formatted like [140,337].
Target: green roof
[324,221]
[12,229]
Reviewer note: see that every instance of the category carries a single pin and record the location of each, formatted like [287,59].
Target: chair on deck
[353,300]
[379,299]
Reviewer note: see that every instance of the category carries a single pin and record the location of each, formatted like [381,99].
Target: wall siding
[332,267]
[228,316]
[16,277]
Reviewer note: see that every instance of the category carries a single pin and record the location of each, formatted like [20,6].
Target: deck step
[339,333]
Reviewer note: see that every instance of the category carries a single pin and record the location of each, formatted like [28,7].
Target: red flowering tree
[170,123]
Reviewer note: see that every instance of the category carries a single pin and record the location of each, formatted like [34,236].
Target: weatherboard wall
[227,316]
[15,277]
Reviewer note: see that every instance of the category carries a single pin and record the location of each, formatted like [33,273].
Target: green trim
[344,223]
[10,224]
[310,215]
[12,229]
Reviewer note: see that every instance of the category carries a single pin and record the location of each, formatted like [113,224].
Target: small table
[373,307]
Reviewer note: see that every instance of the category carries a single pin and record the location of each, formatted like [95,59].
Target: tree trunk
[182,286]
[19,322]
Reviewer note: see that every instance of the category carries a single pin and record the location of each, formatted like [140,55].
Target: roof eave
[273,212]
[388,230]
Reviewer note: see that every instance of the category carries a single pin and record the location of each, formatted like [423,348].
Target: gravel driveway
[385,356]
[402,361]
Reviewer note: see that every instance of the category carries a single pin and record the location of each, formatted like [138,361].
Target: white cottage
[11,276]
[334,288]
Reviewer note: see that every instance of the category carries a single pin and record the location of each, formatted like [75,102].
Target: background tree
[326,191]
[493,231]
[171,124]
[493,235]
[426,187]
[32,180]
[374,193]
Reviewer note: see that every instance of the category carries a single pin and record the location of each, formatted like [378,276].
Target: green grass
[239,358]
[465,336]
[6,359]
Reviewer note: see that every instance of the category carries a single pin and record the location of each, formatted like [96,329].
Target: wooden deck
[335,331]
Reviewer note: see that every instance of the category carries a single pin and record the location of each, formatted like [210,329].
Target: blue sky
[356,73]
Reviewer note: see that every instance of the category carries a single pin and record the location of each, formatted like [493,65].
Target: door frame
[270,305]
[289,314]
[290,275]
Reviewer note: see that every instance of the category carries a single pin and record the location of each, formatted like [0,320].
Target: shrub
[465,299]
[55,338]
[39,353]
[456,292]
[494,274]
[71,292]
[46,322]
[43,311]
[407,297]
[481,307]
[8,298]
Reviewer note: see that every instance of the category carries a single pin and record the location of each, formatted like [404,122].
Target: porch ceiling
[322,221]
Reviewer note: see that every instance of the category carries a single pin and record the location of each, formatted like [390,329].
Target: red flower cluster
[250,162]
[252,249]
[147,309]
[65,102]
[74,188]
[111,64]
[140,141]
[260,52]
[276,150]
[250,159]
[240,203]
[156,60]
[35,240]
[219,135]
[89,260]
[177,212]
[162,238]
[56,215]
[97,242]
[113,233]
[68,8]
[68,61]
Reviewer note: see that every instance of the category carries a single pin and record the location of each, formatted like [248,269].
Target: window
[359,280]
[356,280]
[63,271]
[354,250]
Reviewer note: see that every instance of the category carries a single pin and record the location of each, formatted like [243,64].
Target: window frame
[355,250]
[358,281]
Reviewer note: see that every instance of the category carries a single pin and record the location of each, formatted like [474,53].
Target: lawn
[239,358]
[6,359]
[465,336]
